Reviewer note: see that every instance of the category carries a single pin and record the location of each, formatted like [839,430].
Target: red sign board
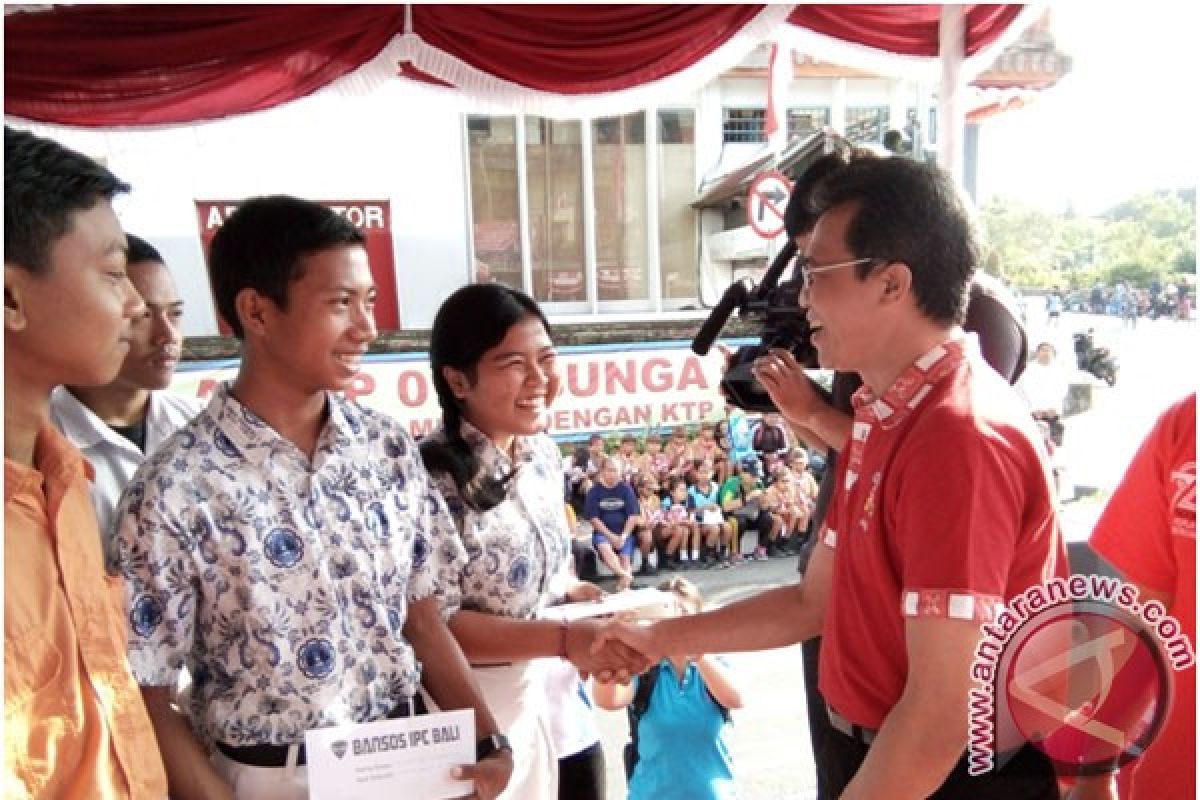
[372,217]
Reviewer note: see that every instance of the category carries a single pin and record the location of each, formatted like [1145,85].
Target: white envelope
[409,757]
[643,603]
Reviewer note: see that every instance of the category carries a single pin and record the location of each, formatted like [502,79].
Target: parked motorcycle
[1099,361]
[1163,307]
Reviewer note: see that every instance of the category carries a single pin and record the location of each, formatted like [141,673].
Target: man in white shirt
[1044,384]
[116,426]
[1044,388]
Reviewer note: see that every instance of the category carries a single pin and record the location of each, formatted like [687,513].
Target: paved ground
[1157,367]
[770,735]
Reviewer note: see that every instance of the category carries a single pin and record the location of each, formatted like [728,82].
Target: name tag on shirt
[410,757]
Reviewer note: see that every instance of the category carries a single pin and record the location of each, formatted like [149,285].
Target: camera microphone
[770,278]
[738,295]
[735,297]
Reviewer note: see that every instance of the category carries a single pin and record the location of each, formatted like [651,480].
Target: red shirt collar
[914,383]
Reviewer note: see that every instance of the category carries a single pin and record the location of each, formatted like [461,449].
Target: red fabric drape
[138,65]
[580,49]
[161,64]
[910,30]
[155,64]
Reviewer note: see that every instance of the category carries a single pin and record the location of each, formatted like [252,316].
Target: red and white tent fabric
[149,65]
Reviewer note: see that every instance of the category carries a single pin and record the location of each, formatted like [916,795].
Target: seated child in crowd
[685,514]
[678,515]
[706,506]
[654,461]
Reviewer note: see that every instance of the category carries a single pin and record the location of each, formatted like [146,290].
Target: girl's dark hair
[472,321]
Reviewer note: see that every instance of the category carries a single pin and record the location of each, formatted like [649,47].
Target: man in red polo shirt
[943,509]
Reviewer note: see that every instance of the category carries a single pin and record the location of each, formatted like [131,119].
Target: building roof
[1033,61]
[795,159]
[732,183]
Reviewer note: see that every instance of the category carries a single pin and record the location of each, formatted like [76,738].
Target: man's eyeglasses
[806,270]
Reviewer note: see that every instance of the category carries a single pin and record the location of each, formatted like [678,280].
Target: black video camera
[774,307]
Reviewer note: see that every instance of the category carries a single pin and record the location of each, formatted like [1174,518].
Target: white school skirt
[516,695]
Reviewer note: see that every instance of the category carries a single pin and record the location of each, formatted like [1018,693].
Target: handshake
[615,637]
[604,637]
[611,650]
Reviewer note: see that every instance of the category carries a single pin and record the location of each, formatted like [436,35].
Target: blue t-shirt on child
[683,747]
[699,500]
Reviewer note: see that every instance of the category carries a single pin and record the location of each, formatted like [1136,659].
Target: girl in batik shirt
[494,369]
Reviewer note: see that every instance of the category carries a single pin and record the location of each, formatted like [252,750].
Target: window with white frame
[866,123]
[567,210]
[744,125]
[554,176]
[495,204]
[680,276]
[803,122]
[619,181]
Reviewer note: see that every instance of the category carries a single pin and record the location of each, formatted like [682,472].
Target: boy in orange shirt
[75,726]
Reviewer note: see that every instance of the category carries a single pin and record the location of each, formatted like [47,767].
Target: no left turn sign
[766,201]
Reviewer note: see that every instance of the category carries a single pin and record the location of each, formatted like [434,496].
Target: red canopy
[910,30]
[159,64]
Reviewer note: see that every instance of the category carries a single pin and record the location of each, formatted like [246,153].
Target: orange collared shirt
[74,722]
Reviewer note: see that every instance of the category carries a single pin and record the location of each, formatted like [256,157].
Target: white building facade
[591,217]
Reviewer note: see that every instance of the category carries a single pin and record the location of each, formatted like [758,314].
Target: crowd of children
[696,498]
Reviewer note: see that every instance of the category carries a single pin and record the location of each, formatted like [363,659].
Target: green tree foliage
[1148,237]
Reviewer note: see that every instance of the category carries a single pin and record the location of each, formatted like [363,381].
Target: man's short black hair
[261,245]
[44,184]
[141,251]
[911,212]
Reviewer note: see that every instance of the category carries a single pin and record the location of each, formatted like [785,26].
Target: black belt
[276,755]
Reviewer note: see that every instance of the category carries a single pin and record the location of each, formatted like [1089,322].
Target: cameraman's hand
[790,389]
[800,401]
